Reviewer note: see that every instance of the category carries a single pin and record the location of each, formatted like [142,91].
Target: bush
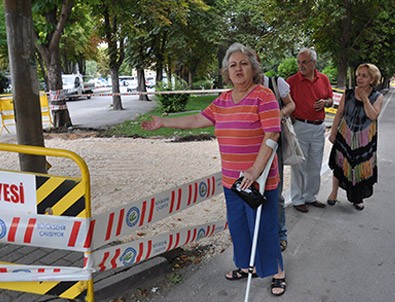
[287,68]
[331,72]
[202,84]
[172,102]
[270,73]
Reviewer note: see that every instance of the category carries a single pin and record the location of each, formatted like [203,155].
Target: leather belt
[315,122]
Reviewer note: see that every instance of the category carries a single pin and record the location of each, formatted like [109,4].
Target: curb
[122,282]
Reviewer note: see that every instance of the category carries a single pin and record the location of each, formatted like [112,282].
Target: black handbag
[251,195]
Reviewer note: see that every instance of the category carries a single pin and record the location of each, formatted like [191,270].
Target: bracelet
[365,102]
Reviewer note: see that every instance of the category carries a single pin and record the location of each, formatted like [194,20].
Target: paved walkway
[334,254]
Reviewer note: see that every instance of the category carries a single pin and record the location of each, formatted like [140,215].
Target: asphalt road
[97,111]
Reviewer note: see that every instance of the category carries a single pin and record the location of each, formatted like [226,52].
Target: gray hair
[311,51]
[252,57]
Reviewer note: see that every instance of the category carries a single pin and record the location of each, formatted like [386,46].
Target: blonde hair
[373,72]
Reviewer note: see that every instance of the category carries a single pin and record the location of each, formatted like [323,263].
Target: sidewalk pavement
[334,254]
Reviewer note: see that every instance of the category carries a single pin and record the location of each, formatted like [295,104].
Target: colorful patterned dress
[353,157]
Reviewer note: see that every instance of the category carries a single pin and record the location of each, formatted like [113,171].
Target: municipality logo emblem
[3,229]
[202,189]
[21,271]
[129,256]
[132,217]
[201,234]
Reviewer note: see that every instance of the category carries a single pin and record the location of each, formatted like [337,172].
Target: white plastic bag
[292,152]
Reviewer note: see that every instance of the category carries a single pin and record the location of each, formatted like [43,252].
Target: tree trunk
[218,82]
[19,22]
[345,42]
[116,51]
[51,55]
[141,84]
[190,79]
[60,112]
[159,71]
[116,98]
[81,66]
[386,82]
[342,71]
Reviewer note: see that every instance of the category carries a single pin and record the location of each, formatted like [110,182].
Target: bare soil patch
[123,170]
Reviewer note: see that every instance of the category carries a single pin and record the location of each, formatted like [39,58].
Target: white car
[99,82]
[150,82]
[74,86]
[132,85]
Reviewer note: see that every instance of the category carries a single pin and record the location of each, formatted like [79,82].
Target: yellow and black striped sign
[60,196]
[63,289]
[57,196]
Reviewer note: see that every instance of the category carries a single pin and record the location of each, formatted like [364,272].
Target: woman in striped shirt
[244,118]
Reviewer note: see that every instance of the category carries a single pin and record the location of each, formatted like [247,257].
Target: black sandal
[359,206]
[238,274]
[331,202]
[278,283]
[283,245]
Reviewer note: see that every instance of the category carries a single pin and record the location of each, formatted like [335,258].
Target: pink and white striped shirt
[240,129]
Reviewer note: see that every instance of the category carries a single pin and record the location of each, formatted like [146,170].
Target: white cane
[261,181]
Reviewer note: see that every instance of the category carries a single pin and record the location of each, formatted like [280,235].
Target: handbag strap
[276,92]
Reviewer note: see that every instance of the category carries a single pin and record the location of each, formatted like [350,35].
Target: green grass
[132,128]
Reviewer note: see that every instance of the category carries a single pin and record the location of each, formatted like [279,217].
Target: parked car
[126,80]
[150,82]
[99,82]
[132,85]
[74,86]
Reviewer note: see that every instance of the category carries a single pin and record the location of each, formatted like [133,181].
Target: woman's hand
[250,176]
[362,94]
[332,137]
[155,123]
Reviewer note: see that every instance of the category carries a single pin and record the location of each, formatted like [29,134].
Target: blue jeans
[241,221]
[281,202]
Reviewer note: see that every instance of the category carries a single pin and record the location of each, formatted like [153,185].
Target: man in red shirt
[311,92]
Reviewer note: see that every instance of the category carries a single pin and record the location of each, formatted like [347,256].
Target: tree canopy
[189,37]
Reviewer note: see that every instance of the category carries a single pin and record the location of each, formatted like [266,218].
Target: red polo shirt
[305,92]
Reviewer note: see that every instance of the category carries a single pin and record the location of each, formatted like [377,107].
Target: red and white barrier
[12,273]
[134,252]
[84,234]
[111,225]
[336,98]
[200,91]
[58,232]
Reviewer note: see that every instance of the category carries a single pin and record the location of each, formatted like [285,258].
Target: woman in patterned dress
[353,157]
